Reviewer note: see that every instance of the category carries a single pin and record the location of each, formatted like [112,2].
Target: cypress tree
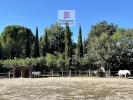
[36,45]
[27,47]
[80,44]
[68,42]
[85,46]
[45,46]
[0,51]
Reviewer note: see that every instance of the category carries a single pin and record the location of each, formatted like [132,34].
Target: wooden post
[75,73]
[79,72]
[9,74]
[30,70]
[70,73]
[89,73]
[21,73]
[52,73]
[14,73]
[109,72]
[62,72]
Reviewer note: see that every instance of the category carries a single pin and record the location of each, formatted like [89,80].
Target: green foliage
[54,39]
[45,44]
[51,61]
[106,46]
[112,51]
[60,62]
[80,44]
[100,50]
[1,52]
[68,42]
[36,52]
[15,40]
[124,44]
[99,28]
[16,62]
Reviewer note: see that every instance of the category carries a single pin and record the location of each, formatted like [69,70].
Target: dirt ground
[68,88]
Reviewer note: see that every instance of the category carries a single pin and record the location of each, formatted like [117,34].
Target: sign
[66,16]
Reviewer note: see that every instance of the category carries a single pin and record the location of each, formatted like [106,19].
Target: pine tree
[36,45]
[68,42]
[80,44]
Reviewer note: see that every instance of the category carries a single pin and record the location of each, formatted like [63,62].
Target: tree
[123,58]
[36,45]
[45,45]
[60,62]
[55,39]
[80,44]
[99,28]
[0,51]
[85,46]
[101,50]
[100,46]
[68,42]
[14,41]
[27,47]
[51,62]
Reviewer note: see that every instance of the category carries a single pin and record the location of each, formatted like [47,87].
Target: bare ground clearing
[68,88]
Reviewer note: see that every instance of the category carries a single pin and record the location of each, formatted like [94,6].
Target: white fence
[88,73]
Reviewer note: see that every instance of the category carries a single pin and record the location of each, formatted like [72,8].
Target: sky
[43,13]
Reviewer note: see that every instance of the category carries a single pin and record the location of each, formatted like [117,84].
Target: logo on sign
[66,16]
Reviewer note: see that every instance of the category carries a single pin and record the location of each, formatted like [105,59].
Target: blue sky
[43,13]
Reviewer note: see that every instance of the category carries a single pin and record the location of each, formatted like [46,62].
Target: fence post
[75,73]
[70,73]
[89,73]
[52,73]
[9,74]
[14,73]
[109,72]
[62,72]
[21,73]
[30,73]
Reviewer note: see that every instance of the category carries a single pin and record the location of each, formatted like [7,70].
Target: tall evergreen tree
[68,42]
[27,47]
[0,51]
[45,46]
[85,46]
[36,45]
[80,44]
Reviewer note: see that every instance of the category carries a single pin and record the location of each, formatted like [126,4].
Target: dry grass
[76,88]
